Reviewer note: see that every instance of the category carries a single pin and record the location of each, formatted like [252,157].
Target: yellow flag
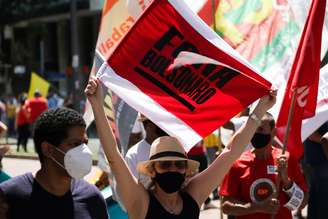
[38,83]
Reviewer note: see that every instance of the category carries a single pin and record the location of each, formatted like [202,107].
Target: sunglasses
[179,164]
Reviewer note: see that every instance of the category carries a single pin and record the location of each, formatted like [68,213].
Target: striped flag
[175,70]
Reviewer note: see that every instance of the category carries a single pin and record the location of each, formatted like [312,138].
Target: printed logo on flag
[190,83]
[170,61]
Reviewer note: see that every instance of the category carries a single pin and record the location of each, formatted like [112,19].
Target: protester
[316,159]
[250,188]
[69,102]
[10,113]
[53,100]
[168,166]
[140,151]
[22,123]
[137,133]
[57,189]
[212,143]
[36,106]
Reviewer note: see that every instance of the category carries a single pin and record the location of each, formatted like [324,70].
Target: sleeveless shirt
[190,208]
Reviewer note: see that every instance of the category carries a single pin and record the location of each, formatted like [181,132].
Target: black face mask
[260,140]
[170,182]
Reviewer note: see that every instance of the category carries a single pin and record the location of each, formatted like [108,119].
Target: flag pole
[290,116]
[284,146]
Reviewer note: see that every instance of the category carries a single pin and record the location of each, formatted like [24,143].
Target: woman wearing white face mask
[168,166]
[57,189]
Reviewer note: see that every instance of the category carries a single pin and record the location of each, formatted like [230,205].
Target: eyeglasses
[179,164]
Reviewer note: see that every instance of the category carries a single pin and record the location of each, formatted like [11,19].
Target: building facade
[35,36]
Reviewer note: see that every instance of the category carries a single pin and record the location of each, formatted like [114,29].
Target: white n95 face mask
[77,161]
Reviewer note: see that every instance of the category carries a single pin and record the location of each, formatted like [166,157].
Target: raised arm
[131,193]
[205,182]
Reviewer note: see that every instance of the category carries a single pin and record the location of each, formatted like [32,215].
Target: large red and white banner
[174,69]
[303,81]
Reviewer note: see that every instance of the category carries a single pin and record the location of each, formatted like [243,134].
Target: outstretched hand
[93,90]
[268,101]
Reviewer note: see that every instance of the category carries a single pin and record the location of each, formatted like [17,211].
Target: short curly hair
[52,126]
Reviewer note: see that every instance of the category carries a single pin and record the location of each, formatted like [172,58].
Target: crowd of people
[19,114]
[157,178]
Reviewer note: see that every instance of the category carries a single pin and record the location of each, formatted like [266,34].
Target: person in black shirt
[168,166]
[57,189]
[316,160]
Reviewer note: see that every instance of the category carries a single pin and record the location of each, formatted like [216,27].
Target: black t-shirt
[190,208]
[27,199]
[313,152]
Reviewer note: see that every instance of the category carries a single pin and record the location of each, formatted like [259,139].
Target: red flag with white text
[303,79]
[179,73]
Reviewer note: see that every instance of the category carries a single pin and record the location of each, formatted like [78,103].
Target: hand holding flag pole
[301,93]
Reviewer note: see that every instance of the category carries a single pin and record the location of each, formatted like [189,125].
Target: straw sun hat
[167,148]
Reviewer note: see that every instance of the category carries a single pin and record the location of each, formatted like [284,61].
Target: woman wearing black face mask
[168,166]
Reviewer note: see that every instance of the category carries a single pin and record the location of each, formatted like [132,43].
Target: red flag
[303,80]
[175,70]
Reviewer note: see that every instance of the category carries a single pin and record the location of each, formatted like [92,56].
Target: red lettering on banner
[117,34]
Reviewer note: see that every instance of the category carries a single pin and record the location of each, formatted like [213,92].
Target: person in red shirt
[36,105]
[22,123]
[250,188]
